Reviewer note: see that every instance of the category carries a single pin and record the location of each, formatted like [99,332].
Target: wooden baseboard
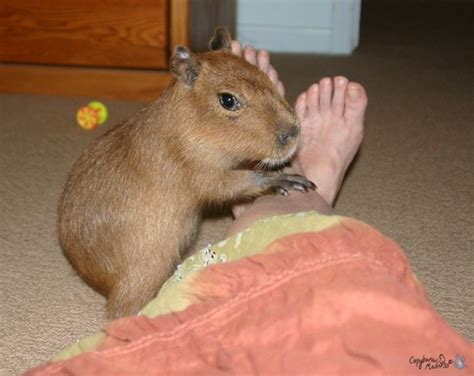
[124,84]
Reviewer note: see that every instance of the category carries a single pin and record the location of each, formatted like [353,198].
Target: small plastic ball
[87,117]
[101,109]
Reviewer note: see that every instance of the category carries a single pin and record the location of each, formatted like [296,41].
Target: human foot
[332,127]
[261,59]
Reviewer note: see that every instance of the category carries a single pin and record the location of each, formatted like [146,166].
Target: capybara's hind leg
[129,296]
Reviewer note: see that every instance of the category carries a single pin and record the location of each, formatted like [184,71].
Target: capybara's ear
[221,40]
[184,65]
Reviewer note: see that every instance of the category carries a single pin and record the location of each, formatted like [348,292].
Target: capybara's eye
[229,102]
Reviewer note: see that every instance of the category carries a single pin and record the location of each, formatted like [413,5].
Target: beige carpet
[413,178]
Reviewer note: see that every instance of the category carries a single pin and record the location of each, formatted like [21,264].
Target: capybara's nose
[285,137]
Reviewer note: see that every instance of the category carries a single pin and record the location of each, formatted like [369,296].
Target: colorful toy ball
[95,113]
[101,109]
[87,117]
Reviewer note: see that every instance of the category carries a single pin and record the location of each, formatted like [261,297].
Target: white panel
[346,14]
[356,23]
[294,13]
[286,39]
[307,26]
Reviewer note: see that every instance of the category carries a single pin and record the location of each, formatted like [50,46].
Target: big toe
[314,100]
[301,106]
[356,102]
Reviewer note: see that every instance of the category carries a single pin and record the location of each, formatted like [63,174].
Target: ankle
[327,176]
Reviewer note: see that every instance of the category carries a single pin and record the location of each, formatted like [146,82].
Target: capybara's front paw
[282,183]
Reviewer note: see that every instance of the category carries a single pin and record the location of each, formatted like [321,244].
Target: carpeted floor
[413,178]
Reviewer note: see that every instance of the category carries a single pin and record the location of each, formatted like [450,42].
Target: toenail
[341,81]
[315,87]
[354,92]
[326,81]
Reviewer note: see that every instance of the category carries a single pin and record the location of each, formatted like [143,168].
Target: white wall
[305,26]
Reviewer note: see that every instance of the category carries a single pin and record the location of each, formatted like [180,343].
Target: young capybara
[132,202]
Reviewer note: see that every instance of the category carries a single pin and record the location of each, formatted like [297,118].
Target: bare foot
[261,59]
[332,119]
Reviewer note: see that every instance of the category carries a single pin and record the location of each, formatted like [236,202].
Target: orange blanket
[342,301]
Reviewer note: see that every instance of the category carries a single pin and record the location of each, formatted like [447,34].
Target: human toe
[313,100]
[250,55]
[236,48]
[325,96]
[301,106]
[263,60]
[339,96]
[356,102]
[280,88]
[273,75]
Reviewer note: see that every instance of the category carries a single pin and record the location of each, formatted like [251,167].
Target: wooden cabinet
[103,49]
[108,33]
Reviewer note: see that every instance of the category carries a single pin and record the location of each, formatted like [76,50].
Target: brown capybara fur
[132,202]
